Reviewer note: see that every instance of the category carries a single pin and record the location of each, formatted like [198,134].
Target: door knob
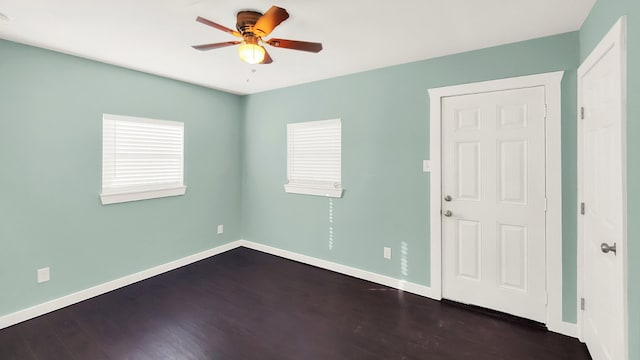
[448,213]
[448,198]
[606,248]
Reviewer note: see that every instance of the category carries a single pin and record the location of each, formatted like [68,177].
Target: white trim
[113,198]
[64,301]
[141,120]
[561,327]
[552,83]
[565,328]
[304,190]
[317,123]
[67,300]
[343,269]
[617,36]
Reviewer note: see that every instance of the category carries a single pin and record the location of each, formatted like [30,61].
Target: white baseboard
[564,328]
[346,270]
[59,303]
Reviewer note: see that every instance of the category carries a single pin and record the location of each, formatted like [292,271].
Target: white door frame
[552,84]
[615,37]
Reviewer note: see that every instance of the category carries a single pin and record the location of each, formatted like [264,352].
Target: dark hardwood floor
[244,304]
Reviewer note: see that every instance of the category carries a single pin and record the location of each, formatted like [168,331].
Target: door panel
[512,167]
[469,238]
[468,174]
[468,119]
[513,117]
[494,169]
[513,260]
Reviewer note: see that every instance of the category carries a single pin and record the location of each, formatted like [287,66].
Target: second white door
[602,178]
[493,186]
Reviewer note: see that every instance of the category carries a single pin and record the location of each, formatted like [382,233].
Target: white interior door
[602,149]
[493,187]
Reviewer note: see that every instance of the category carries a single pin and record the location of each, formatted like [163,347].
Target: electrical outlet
[426,165]
[387,253]
[220,229]
[43,275]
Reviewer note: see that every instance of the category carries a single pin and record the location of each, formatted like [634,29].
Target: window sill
[114,198]
[293,189]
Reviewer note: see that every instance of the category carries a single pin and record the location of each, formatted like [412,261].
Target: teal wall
[602,17]
[51,108]
[50,146]
[385,135]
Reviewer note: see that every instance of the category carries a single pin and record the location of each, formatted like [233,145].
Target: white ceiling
[155,36]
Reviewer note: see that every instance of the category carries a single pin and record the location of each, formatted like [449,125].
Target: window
[141,158]
[314,156]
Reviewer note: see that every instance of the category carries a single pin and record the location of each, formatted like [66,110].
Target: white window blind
[314,158]
[141,158]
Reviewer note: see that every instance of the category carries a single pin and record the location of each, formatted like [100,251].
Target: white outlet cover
[43,275]
[387,253]
[220,229]
[426,165]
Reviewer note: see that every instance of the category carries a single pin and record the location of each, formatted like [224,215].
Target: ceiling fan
[251,27]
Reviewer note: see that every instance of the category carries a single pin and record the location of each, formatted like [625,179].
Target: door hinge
[546,298]
[582,210]
[581,303]
[582,113]
[546,110]
[546,204]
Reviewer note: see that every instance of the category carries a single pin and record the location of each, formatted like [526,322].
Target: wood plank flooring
[244,304]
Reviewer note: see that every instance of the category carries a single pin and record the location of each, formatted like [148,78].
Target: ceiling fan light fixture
[252,27]
[251,53]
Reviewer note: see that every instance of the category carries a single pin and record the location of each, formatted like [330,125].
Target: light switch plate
[220,229]
[387,253]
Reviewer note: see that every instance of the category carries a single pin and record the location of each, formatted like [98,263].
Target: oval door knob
[448,198]
[448,213]
[606,248]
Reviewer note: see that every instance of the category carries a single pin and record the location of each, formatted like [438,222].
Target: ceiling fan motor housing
[246,23]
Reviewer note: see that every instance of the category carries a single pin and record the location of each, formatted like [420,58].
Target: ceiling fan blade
[272,18]
[296,45]
[218,26]
[216,45]
[267,58]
